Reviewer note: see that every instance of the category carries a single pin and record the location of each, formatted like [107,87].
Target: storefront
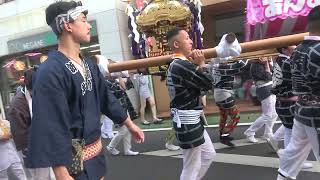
[32,50]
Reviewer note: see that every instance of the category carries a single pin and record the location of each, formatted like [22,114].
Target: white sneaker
[172,147]
[113,150]
[307,165]
[104,136]
[273,144]
[267,136]
[252,139]
[108,135]
[282,178]
[131,153]
[280,152]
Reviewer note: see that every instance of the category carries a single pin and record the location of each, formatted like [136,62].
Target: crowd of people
[53,128]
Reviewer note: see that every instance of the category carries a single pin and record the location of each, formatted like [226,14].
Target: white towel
[186,116]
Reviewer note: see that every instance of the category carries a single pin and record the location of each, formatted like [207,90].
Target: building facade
[25,36]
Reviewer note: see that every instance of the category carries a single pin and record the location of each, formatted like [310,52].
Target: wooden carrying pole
[251,46]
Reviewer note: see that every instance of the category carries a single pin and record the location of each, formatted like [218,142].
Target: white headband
[70,16]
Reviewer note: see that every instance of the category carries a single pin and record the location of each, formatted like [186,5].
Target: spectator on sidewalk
[19,115]
[10,163]
[145,96]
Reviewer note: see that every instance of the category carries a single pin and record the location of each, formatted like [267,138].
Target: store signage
[39,40]
[27,43]
[260,11]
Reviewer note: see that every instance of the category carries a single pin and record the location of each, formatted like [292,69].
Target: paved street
[245,162]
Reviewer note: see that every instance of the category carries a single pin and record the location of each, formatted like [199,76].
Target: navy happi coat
[67,106]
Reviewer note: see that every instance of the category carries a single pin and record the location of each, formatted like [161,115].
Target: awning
[271,18]
[278,27]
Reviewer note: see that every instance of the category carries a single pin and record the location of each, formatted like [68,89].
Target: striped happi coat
[224,79]
[282,88]
[305,70]
[185,84]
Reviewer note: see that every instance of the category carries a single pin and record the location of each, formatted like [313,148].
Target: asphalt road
[244,162]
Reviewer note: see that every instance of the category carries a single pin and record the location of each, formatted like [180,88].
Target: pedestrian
[117,87]
[69,94]
[261,74]
[19,115]
[305,135]
[186,79]
[10,163]
[145,96]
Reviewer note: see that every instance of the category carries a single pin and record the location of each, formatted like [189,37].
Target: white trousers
[287,136]
[196,161]
[107,126]
[124,135]
[280,133]
[303,139]
[40,174]
[37,173]
[13,172]
[267,118]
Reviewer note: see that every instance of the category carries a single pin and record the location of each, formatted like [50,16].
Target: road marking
[248,160]
[238,143]
[259,161]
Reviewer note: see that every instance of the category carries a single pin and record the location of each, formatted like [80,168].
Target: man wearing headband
[68,96]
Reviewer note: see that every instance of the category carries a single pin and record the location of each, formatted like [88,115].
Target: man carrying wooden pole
[211,53]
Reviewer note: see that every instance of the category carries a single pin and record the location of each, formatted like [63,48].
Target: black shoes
[227,140]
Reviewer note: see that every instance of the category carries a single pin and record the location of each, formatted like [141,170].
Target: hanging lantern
[19,65]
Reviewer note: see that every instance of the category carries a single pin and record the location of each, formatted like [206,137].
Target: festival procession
[160,90]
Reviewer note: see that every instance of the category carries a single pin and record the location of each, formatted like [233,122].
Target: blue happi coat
[67,106]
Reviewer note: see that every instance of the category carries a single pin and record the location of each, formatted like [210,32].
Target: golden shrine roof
[163,10]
